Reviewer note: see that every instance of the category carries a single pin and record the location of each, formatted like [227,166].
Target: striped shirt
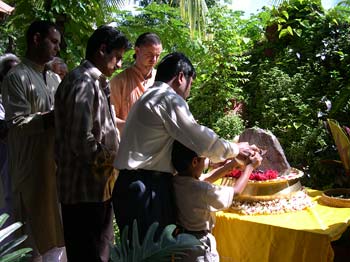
[86,137]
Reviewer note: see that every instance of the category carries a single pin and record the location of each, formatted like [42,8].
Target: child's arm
[221,171]
[242,181]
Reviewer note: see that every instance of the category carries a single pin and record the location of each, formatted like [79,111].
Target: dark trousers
[146,196]
[88,231]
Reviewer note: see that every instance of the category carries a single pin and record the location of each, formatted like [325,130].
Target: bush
[229,126]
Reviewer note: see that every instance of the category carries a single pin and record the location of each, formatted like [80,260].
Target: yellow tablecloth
[302,236]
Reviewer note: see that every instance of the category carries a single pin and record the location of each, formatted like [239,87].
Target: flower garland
[299,201]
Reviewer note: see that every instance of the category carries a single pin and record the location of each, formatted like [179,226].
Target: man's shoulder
[18,70]
[79,74]
[191,182]
[17,75]
[125,74]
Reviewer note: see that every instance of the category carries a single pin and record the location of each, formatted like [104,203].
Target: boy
[196,198]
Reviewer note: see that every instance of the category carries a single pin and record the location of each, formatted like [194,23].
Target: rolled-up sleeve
[182,126]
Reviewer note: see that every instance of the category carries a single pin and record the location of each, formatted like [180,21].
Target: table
[301,236]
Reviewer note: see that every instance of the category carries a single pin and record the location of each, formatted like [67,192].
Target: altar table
[301,236]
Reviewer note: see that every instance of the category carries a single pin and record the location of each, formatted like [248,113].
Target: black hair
[40,26]
[182,156]
[108,35]
[172,64]
[148,38]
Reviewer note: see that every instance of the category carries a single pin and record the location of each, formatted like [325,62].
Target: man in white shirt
[143,190]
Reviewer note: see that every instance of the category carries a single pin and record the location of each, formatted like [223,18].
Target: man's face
[147,56]
[187,87]
[112,61]
[50,45]
[60,69]
[184,85]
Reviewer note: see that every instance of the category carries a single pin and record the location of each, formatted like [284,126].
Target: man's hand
[255,159]
[48,119]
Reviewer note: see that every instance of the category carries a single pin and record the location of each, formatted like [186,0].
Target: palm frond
[195,12]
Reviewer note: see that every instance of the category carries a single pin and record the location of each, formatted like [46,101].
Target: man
[28,96]
[7,61]
[129,85]
[86,144]
[58,66]
[143,190]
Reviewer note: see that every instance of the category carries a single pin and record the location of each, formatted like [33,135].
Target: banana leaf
[342,142]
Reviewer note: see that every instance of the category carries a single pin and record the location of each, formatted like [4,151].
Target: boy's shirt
[197,201]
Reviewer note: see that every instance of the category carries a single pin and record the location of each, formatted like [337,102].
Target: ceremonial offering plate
[338,197]
[284,186]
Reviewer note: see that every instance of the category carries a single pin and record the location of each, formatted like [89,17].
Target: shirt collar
[33,65]
[164,85]
[139,73]
[95,72]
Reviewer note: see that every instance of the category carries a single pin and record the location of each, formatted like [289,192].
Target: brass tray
[282,187]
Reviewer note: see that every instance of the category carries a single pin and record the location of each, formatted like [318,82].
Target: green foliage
[163,20]
[219,77]
[292,74]
[76,19]
[7,250]
[229,126]
[290,112]
[151,250]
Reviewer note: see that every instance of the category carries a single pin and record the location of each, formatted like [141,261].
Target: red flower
[256,176]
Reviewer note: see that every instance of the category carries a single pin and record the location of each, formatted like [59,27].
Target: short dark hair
[172,64]
[182,156]
[148,38]
[40,26]
[108,35]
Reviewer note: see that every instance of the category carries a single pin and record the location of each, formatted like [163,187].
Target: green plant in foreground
[165,249]
[7,252]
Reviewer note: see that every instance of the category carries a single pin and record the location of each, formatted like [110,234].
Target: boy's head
[186,161]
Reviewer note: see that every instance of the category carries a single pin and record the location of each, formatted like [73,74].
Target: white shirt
[197,201]
[158,118]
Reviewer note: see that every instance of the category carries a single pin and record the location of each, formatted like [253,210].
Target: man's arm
[82,139]
[18,107]
[116,85]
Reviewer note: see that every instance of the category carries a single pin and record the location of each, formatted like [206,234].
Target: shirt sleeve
[182,126]
[219,197]
[18,108]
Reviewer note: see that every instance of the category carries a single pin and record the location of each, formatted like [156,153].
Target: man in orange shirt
[129,85]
